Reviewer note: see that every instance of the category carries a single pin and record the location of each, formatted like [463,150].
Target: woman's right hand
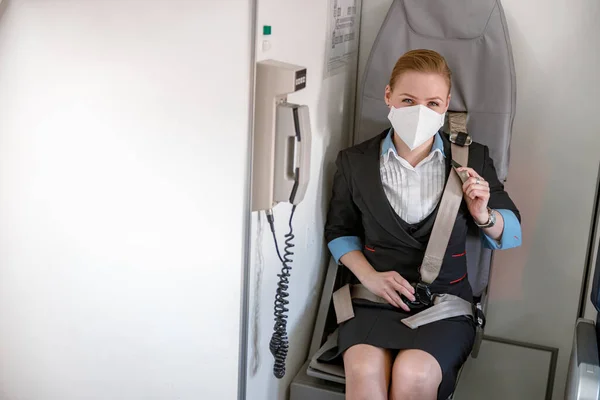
[389,285]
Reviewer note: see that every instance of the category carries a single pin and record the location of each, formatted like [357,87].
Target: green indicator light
[266,30]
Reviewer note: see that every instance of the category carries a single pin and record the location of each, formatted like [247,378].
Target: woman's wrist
[356,262]
[482,218]
[366,271]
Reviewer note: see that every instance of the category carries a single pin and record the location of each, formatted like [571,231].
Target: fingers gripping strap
[444,222]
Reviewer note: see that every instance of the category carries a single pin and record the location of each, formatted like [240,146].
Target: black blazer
[359,207]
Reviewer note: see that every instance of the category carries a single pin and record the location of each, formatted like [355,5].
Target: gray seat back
[473,37]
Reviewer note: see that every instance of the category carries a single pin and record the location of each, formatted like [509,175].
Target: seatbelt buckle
[423,293]
[478,315]
[461,139]
[423,297]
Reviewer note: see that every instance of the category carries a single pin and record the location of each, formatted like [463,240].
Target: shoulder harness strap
[451,199]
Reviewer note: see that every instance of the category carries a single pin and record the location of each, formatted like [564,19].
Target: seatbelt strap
[451,199]
[444,306]
[342,303]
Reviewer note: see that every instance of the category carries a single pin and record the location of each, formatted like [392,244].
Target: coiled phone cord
[279,341]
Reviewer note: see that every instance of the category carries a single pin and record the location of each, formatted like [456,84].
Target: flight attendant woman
[385,199]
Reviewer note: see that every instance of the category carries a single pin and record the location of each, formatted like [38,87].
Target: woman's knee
[414,369]
[363,370]
[368,370]
[366,363]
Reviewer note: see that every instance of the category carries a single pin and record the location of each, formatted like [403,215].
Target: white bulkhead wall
[123,186]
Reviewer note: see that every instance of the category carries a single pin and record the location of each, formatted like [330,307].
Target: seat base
[583,379]
[308,387]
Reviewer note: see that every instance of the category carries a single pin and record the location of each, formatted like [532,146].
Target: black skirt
[449,341]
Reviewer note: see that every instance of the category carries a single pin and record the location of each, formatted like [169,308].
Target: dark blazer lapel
[367,182]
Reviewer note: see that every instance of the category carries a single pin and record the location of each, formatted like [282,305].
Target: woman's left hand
[477,194]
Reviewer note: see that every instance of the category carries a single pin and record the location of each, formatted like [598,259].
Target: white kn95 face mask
[415,124]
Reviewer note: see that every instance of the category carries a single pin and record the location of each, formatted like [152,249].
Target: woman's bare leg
[368,370]
[416,375]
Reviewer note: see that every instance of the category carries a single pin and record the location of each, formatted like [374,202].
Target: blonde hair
[421,60]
